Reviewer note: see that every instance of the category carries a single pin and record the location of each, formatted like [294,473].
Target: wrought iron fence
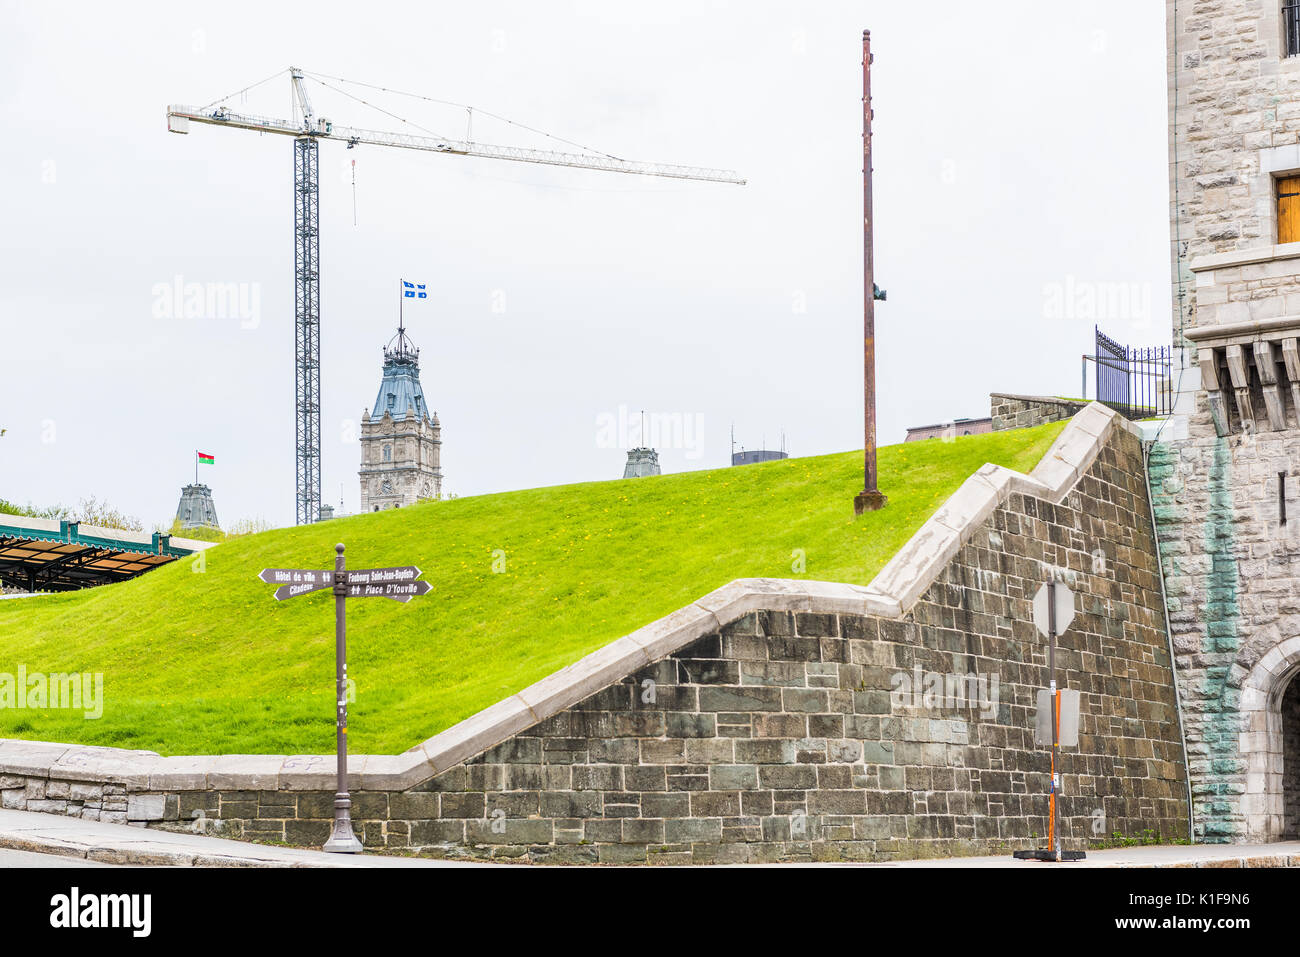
[1291,27]
[1135,382]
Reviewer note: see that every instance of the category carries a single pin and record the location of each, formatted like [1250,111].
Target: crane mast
[306,134]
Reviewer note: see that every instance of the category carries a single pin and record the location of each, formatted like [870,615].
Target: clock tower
[401,439]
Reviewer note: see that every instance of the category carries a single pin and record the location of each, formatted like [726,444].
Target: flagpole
[196,466]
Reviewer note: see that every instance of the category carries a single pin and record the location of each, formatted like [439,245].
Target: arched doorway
[1290,710]
[1270,744]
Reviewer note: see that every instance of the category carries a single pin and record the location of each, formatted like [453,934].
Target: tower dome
[401,437]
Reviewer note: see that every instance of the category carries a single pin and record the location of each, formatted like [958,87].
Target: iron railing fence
[1135,382]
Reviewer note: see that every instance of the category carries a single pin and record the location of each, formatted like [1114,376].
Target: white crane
[306,133]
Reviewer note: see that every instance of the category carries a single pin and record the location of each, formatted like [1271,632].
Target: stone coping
[898,586]
[1229,333]
[1245,257]
[1047,399]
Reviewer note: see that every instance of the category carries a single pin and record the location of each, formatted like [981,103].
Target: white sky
[1020,173]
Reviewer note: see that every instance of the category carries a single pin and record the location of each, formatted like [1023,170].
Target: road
[28,859]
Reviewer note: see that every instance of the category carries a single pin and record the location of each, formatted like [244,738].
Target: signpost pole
[1053,839]
[399,584]
[342,840]
[1053,609]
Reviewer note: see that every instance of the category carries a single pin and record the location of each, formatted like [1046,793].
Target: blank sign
[1069,729]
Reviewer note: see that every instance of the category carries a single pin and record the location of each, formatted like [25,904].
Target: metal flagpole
[870,498]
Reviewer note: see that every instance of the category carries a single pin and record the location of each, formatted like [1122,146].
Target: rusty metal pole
[869,499]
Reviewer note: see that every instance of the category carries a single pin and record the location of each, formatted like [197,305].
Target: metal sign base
[342,840]
[343,845]
[1049,855]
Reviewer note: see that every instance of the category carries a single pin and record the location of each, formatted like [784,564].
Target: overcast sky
[1020,179]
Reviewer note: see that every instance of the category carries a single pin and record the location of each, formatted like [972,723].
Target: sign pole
[400,584]
[1053,839]
[1053,609]
[342,840]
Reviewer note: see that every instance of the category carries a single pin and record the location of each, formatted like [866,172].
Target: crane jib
[326,130]
[306,133]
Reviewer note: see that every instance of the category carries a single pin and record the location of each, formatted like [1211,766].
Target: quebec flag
[412,290]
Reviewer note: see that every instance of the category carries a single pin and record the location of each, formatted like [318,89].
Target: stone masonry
[1223,472]
[796,729]
[1233,582]
[1234,122]
[1026,411]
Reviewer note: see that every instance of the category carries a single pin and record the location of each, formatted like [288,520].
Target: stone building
[196,508]
[949,430]
[640,463]
[401,438]
[1223,470]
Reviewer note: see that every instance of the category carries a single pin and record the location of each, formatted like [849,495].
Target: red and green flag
[206,459]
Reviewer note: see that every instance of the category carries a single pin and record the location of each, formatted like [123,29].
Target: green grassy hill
[201,663]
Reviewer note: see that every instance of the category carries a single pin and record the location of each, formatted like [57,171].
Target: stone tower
[1223,471]
[640,463]
[196,509]
[401,439]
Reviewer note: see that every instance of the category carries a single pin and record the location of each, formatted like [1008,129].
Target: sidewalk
[1284,854]
[124,844]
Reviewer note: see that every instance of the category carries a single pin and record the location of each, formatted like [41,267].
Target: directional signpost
[1053,612]
[399,584]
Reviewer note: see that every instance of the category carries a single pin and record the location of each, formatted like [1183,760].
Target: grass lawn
[203,663]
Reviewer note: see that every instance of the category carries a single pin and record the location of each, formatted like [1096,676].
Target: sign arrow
[296,576]
[293,591]
[398,591]
[383,576]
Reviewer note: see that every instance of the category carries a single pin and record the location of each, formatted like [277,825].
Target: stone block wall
[789,734]
[1232,566]
[1233,582]
[1025,411]
[1234,125]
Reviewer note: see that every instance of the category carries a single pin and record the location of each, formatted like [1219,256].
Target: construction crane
[307,131]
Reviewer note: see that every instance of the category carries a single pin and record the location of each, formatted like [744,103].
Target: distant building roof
[953,428]
[400,388]
[40,554]
[750,456]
